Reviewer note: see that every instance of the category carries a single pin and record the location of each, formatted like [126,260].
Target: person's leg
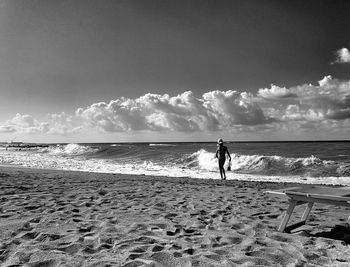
[219,163]
[221,172]
[221,168]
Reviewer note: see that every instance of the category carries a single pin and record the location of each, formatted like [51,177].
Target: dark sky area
[60,55]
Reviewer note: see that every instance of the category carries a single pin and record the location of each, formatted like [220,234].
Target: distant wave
[202,160]
[162,145]
[69,149]
[180,160]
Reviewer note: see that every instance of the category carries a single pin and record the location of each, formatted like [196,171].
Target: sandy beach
[64,218]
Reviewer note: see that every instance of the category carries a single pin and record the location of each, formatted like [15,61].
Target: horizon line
[165,142]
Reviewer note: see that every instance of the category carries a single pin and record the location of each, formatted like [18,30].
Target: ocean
[304,162]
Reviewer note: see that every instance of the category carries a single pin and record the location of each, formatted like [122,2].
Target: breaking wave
[179,160]
[161,144]
[69,149]
[272,165]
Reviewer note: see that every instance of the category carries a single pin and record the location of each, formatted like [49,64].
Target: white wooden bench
[309,195]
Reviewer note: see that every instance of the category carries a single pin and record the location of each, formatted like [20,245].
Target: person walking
[221,156]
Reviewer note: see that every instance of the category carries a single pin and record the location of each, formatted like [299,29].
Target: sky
[161,70]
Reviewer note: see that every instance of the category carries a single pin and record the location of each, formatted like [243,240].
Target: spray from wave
[269,165]
[202,160]
[69,150]
[175,161]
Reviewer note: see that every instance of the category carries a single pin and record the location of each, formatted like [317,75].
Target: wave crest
[69,149]
[269,165]
[161,144]
[177,161]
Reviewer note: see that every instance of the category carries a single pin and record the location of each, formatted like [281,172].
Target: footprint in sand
[170,216]
[71,248]
[85,228]
[35,220]
[189,251]
[157,248]
[214,257]
[170,233]
[166,259]
[133,256]
[235,240]
[176,247]
[27,235]
[162,226]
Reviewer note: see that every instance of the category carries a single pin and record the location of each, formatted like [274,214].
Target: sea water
[305,162]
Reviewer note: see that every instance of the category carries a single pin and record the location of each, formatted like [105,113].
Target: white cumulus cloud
[232,108]
[7,129]
[330,99]
[342,55]
[63,124]
[24,124]
[215,110]
[276,92]
[305,107]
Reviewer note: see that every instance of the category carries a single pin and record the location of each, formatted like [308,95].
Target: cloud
[63,124]
[330,99]
[314,109]
[231,108]
[326,81]
[216,110]
[342,55]
[116,116]
[24,124]
[297,113]
[7,129]
[305,107]
[57,124]
[275,93]
[183,112]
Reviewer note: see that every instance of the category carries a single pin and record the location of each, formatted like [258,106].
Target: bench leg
[283,226]
[287,215]
[307,211]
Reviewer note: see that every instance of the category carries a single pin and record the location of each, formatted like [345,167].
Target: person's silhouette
[221,156]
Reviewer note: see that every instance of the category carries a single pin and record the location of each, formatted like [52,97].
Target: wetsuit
[221,155]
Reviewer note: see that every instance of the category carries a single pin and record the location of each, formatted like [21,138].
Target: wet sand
[64,218]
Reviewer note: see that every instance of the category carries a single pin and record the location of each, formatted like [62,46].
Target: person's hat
[220,141]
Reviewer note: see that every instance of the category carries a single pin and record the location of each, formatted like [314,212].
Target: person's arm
[228,153]
[216,154]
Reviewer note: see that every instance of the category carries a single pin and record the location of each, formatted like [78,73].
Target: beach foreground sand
[59,218]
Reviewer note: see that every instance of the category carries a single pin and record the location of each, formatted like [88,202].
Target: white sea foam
[201,164]
[69,149]
[162,145]
[206,160]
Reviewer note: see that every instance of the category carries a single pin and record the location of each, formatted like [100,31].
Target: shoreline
[269,179]
[73,218]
